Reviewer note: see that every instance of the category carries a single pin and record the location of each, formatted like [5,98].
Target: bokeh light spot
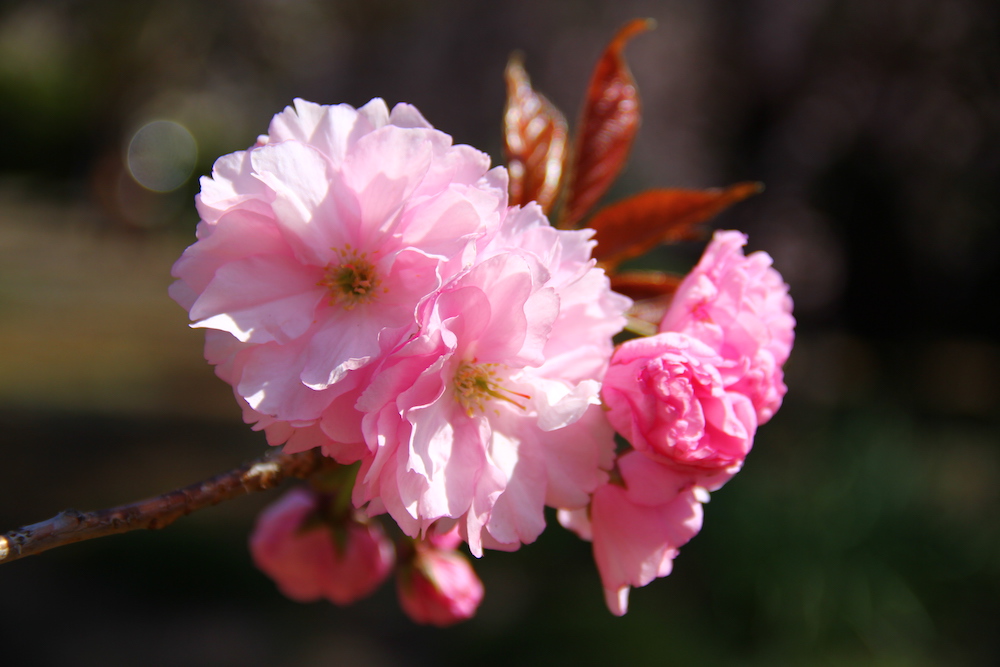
[161,155]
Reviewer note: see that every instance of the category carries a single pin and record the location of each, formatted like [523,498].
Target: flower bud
[308,558]
[438,587]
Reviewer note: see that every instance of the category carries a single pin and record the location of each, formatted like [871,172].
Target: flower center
[477,383]
[352,279]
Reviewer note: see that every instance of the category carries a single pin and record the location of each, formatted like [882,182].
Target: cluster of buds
[315,545]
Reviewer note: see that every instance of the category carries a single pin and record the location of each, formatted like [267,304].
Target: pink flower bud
[342,564]
[444,534]
[439,587]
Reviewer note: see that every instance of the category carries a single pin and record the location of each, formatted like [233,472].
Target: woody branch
[71,526]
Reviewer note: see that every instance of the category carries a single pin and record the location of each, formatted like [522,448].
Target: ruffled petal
[270,382]
[232,185]
[236,235]
[384,169]
[300,177]
[333,130]
[260,299]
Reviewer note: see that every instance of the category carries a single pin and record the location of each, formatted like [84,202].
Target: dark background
[865,527]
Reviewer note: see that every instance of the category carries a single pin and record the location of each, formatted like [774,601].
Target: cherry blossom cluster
[366,290]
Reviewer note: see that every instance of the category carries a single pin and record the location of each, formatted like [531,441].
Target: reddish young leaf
[608,124]
[638,285]
[633,226]
[535,136]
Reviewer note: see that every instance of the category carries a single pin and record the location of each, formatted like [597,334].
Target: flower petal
[260,299]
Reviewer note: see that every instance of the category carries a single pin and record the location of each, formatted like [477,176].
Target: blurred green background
[865,527]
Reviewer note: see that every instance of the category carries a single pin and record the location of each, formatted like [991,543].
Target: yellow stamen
[478,383]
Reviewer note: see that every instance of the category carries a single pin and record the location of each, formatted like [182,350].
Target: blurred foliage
[864,529]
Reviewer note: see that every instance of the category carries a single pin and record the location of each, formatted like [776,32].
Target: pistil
[352,280]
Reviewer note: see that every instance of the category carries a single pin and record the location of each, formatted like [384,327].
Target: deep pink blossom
[740,307]
[309,560]
[665,395]
[637,526]
[492,411]
[317,244]
[689,401]
[438,587]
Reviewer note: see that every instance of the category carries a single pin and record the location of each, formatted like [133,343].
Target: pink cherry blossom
[317,244]
[637,526]
[438,587]
[309,562]
[740,307]
[665,395]
[492,411]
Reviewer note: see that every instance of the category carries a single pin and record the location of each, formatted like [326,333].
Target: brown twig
[72,526]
